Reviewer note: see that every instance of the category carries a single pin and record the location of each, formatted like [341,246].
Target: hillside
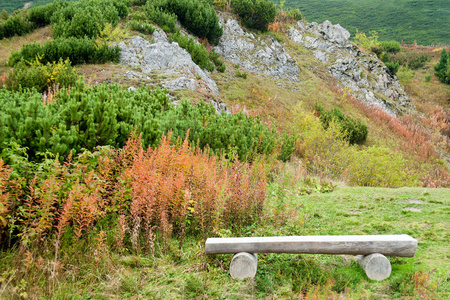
[423,21]
[130,132]
[12,5]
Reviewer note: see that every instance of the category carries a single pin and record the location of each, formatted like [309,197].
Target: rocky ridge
[166,59]
[256,54]
[363,74]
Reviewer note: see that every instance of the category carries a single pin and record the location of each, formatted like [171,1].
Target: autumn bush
[172,190]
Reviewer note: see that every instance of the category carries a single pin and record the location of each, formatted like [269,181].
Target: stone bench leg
[376,266]
[243,265]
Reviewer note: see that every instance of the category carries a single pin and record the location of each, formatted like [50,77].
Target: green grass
[424,21]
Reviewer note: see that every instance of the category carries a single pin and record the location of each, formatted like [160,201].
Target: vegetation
[78,51]
[84,118]
[199,17]
[41,77]
[401,20]
[110,193]
[257,14]
[443,67]
[12,5]
[354,130]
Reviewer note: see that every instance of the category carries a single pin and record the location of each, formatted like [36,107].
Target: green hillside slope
[424,21]
[12,5]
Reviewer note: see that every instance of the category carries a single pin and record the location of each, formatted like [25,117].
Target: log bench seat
[371,250]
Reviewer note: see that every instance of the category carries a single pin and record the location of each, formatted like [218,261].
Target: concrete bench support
[376,266]
[372,250]
[243,265]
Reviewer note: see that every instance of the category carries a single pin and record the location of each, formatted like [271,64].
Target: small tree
[257,14]
[443,67]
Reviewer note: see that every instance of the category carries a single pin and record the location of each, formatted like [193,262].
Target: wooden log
[388,245]
[243,265]
[376,266]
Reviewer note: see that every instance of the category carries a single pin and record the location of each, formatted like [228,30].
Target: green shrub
[198,52]
[40,76]
[392,66]
[443,67]
[82,118]
[199,17]
[428,78]
[78,51]
[257,14]
[86,18]
[87,117]
[15,24]
[354,130]
[390,46]
[220,64]
[165,20]
[41,15]
[241,74]
[143,27]
[411,59]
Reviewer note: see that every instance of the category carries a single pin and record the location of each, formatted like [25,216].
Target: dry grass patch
[40,35]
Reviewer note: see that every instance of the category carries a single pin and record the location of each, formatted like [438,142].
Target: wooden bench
[371,250]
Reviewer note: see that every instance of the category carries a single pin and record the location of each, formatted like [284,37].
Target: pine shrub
[443,67]
[41,77]
[199,17]
[354,130]
[76,50]
[257,14]
[15,24]
[85,117]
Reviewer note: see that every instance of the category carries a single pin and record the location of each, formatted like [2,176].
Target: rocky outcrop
[168,59]
[365,75]
[256,54]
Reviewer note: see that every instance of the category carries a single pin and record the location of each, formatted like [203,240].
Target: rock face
[365,75]
[263,55]
[169,59]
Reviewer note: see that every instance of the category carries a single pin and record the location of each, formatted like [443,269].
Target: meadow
[401,20]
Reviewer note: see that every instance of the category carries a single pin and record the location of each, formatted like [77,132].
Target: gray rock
[181,83]
[266,55]
[166,58]
[365,75]
[132,89]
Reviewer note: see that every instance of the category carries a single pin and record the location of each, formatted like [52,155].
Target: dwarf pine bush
[78,51]
[354,130]
[87,117]
[257,14]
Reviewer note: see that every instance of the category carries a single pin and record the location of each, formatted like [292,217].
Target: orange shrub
[178,190]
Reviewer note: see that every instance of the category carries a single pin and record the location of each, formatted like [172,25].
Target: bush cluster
[410,59]
[199,17]
[15,24]
[41,76]
[86,117]
[354,130]
[165,19]
[143,27]
[257,14]
[76,50]
[87,18]
[443,67]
